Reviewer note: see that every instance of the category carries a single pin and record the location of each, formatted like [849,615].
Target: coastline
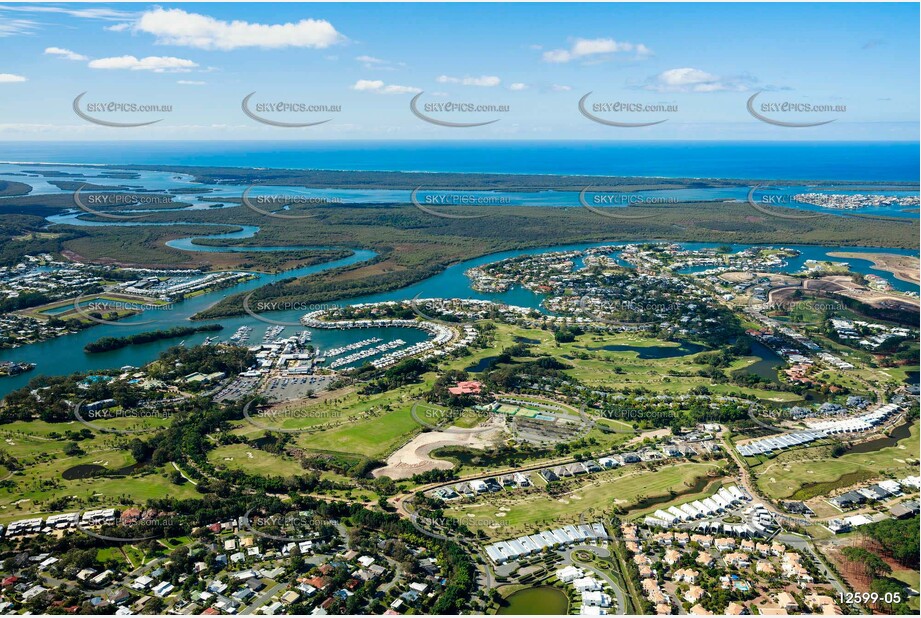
[902,267]
[717,181]
[775,159]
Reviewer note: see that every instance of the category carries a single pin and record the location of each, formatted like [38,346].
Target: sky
[689,68]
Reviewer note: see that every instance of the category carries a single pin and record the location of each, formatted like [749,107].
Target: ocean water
[861,161]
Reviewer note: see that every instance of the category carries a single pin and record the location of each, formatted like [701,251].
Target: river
[64,355]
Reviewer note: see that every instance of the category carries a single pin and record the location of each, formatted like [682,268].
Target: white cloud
[157,64]
[373,62]
[561,88]
[179,27]
[189,82]
[9,78]
[595,49]
[12,27]
[86,13]
[688,79]
[379,87]
[518,86]
[486,81]
[64,53]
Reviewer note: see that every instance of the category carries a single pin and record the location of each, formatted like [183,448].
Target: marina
[451,283]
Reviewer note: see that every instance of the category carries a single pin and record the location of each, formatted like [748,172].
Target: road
[398,501]
[794,540]
[264,598]
[601,552]
[178,469]
[805,545]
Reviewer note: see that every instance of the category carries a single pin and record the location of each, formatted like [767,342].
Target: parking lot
[237,389]
[284,388]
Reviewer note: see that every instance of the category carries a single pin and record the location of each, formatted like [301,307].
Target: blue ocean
[842,161]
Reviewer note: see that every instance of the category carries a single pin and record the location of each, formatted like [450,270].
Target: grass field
[913,579]
[622,368]
[512,513]
[28,499]
[349,424]
[253,461]
[804,472]
[44,462]
[710,489]
[376,425]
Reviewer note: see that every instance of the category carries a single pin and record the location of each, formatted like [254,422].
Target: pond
[542,601]
[653,352]
[767,364]
[899,433]
[481,365]
[526,340]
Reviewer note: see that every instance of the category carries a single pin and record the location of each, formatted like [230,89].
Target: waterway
[68,356]
[65,355]
[209,195]
[791,159]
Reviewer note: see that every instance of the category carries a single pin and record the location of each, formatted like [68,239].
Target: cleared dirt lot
[414,457]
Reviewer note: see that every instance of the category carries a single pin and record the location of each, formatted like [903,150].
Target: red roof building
[466,388]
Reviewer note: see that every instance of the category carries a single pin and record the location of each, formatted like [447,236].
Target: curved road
[601,552]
